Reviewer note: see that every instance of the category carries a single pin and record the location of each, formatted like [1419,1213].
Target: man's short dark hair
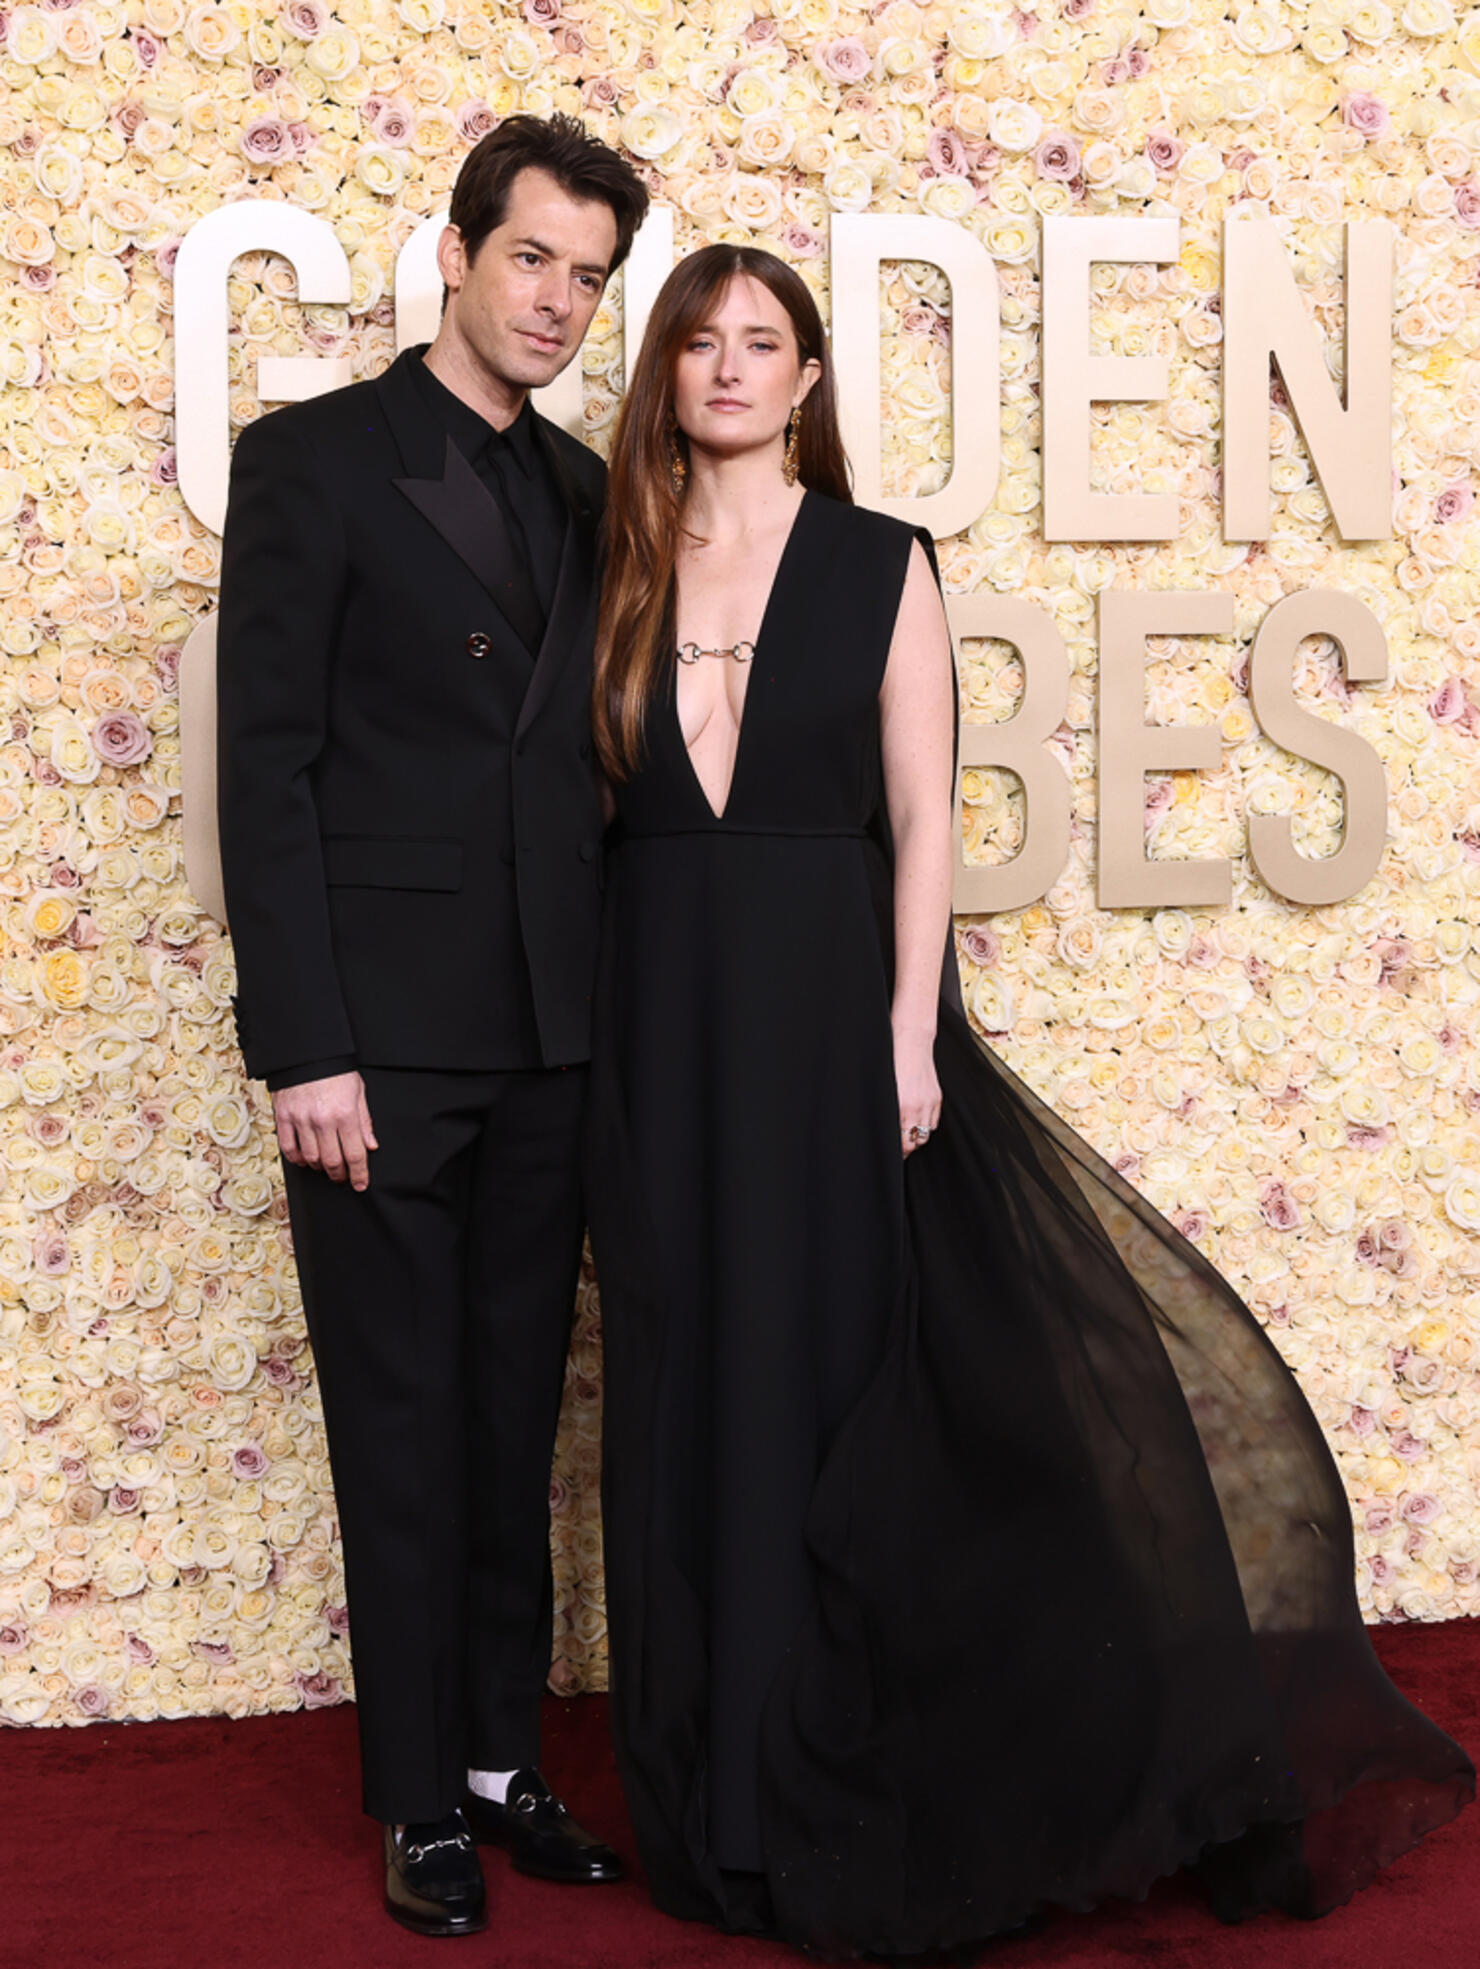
[561,147]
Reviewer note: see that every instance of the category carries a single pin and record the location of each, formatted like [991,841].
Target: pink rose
[266,140]
[12,1637]
[846,60]
[139,1651]
[51,1255]
[165,470]
[1160,794]
[145,46]
[802,243]
[319,1691]
[264,78]
[49,1129]
[1164,152]
[1368,1138]
[1077,10]
[166,253]
[1380,1517]
[393,123]
[1420,1508]
[1467,203]
[122,1501]
[982,946]
[145,1429]
[304,19]
[1408,1446]
[40,280]
[1364,113]
[760,32]
[474,120]
[337,1619]
[121,738]
[91,1699]
[1193,1224]
[1278,1208]
[1057,157]
[249,1461]
[947,154]
[1453,503]
[542,13]
[1394,955]
[219,1652]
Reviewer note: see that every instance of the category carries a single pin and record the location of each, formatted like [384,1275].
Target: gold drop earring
[678,465]
[791,458]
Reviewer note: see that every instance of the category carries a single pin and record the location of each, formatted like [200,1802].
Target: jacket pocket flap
[389,861]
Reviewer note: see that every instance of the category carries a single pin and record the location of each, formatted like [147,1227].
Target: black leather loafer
[433,1878]
[540,1835]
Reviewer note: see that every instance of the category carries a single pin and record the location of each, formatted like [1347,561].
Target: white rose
[1428,17]
[334,53]
[380,169]
[211,33]
[1014,126]
[848,188]
[1462,1202]
[650,133]
[32,36]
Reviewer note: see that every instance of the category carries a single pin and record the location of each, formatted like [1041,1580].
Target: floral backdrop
[1299,1089]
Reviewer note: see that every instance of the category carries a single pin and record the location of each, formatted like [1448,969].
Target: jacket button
[479,644]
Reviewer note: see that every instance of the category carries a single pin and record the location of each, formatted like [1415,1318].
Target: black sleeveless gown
[969,1547]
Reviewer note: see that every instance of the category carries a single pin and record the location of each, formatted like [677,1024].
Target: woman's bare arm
[917,722]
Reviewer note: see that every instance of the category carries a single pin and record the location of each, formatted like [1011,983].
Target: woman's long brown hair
[644,513]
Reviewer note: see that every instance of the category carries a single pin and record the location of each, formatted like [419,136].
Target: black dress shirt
[513,466]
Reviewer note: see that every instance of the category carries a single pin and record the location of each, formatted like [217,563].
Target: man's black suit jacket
[410,828]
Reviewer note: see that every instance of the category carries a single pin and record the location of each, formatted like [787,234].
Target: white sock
[492,1785]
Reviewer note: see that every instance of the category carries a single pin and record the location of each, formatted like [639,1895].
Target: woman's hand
[919,1090]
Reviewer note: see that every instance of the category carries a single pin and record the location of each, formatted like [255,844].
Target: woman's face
[740,375]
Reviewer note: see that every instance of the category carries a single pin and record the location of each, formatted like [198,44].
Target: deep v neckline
[718,814]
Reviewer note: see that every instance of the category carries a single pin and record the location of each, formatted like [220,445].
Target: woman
[970,1550]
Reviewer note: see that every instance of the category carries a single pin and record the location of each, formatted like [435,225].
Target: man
[410,839]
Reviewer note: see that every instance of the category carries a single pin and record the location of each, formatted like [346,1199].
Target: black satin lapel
[470,520]
[418,436]
[570,612]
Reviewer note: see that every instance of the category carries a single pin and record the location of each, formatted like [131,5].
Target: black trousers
[439,1304]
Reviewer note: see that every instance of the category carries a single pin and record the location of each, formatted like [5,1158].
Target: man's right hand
[325,1124]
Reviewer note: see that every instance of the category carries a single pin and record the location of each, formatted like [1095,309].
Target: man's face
[523,304]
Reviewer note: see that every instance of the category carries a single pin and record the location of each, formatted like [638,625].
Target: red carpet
[218,1845]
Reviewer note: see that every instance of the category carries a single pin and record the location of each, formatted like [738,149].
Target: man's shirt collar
[472,433]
